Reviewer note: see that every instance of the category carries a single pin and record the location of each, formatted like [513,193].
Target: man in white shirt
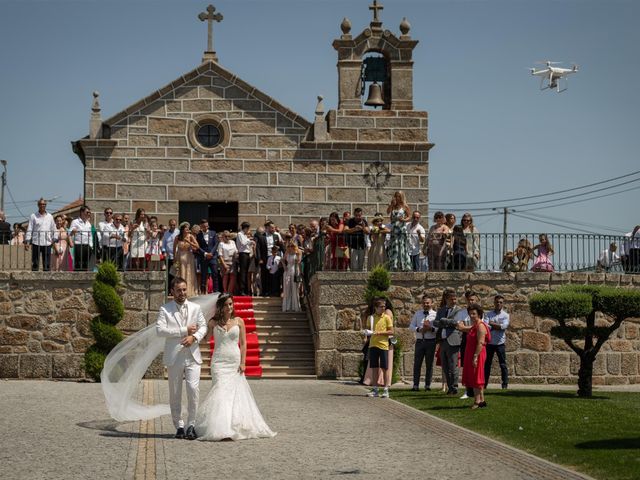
[416,239]
[104,234]
[498,321]
[422,326]
[244,243]
[608,257]
[630,251]
[116,241]
[82,237]
[40,237]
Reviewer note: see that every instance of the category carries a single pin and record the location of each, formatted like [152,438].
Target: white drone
[551,77]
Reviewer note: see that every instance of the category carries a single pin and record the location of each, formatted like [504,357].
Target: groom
[184,326]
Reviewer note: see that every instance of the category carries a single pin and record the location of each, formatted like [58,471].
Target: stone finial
[320,125]
[345,26]
[210,17]
[320,106]
[405,26]
[95,123]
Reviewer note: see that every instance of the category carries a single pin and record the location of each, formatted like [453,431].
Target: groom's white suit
[173,322]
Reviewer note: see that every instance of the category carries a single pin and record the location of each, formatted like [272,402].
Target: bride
[229,411]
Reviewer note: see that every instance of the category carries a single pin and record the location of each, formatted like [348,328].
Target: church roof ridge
[209,65]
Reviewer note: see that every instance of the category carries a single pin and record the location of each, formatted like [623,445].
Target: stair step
[288,370]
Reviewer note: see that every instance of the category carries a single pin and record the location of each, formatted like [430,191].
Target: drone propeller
[547,62]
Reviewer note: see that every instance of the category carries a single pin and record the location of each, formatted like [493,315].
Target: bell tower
[375,57]
[375,91]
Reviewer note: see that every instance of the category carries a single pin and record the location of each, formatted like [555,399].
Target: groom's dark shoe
[191,433]
[180,433]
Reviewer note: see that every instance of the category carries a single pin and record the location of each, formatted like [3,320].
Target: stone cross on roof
[375,7]
[210,17]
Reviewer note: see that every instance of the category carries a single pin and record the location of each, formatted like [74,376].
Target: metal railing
[81,252]
[484,252]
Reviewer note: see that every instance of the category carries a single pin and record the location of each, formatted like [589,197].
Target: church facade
[210,145]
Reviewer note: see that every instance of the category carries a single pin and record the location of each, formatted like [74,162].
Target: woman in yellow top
[379,346]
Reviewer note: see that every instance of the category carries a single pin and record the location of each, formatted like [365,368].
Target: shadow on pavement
[109,428]
[611,444]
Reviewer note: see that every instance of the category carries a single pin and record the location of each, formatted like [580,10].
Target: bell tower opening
[375,81]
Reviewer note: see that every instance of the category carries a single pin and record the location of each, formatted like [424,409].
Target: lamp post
[4,182]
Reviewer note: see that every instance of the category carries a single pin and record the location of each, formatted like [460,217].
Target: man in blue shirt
[498,321]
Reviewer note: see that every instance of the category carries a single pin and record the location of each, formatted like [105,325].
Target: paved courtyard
[325,429]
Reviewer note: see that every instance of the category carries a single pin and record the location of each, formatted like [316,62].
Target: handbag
[342,252]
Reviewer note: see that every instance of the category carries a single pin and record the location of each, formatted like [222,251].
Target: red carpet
[243,307]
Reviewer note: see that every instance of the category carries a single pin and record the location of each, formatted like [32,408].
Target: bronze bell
[375,96]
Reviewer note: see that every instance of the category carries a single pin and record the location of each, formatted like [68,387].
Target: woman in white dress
[227,257]
[290,287]
[229,411]
[138,236]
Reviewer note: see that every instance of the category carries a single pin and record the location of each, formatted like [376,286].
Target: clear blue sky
[497,136]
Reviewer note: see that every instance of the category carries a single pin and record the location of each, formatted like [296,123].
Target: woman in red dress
[338,245]
[475,354]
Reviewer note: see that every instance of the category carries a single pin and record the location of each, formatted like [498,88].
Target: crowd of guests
[452,336]
[246,262]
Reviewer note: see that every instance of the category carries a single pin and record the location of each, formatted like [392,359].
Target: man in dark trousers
[207,255]
[265,241]
[446,320]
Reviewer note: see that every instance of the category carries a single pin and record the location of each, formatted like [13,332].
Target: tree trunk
[585,376]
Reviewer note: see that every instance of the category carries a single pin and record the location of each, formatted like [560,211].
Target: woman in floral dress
[398,250]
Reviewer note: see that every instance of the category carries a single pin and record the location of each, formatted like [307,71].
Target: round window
[208,135]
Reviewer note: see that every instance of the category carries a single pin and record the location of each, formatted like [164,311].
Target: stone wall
[533,355]
[45,317]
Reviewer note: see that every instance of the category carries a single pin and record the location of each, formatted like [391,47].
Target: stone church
[210,145]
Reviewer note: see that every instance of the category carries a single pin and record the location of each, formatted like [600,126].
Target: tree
[571,302]
[103,326]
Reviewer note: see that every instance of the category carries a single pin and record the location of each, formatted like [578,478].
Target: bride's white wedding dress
[229,411]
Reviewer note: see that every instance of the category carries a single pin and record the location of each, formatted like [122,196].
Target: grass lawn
[599,436]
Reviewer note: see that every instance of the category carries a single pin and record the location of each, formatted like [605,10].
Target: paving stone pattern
[325,429]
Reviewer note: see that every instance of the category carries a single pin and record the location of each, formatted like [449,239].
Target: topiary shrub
[107,336]
[108,302]
[94,362]
[379,279]
[378,282]
[108,273]
[111,311]
[573,302]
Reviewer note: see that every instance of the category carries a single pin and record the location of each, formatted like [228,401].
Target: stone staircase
[286,345]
